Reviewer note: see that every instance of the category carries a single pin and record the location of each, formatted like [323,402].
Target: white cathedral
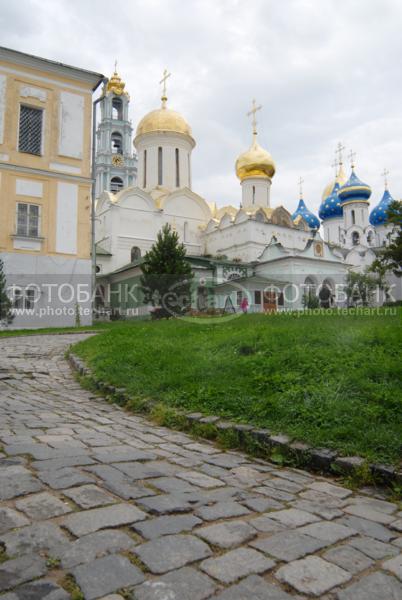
[255,250]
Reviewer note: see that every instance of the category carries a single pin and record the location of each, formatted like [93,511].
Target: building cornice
[45,173]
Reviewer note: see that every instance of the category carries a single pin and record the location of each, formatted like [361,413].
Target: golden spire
[253,111]
[385,174]
[301,181]
[166,75]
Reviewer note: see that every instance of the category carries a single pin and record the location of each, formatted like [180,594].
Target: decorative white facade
[269,243]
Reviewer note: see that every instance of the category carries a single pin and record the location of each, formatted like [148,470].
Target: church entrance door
[269,302]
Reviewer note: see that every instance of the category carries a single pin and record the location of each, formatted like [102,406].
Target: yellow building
[45,187]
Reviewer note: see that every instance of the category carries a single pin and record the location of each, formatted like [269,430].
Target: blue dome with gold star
[378,215]
[310,218]
[331,205]
[354,190]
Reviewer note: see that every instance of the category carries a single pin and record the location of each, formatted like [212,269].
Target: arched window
[310,285]
[160,166]
[135,253]
[370,238]
[116,184]
[117,143]
[253,194]
[145,170]
[355,238]
[177,168]
[117,109]
[353,217]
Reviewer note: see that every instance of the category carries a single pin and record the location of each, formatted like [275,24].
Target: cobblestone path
[133,510]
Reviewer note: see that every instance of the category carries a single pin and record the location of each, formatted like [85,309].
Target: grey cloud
[324,70]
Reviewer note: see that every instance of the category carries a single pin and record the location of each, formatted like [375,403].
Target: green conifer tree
[167,277]
[6,315]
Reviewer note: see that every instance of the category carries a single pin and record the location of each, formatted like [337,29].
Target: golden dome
[163,119]
[256,162]
[340,178]
[116,85]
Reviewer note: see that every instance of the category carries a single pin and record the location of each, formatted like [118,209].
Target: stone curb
[322,460]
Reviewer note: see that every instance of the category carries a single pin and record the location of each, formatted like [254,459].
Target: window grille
[30,134]
[28,219]
[29,298]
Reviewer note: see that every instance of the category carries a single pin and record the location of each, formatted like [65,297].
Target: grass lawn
[332,381]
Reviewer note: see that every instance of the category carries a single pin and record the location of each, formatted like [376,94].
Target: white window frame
[26,235]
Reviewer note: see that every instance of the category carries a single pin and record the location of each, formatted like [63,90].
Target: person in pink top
[244,305]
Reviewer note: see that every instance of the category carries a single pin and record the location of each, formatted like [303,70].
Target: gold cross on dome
[165,77]
[253,111]
[352,158]
[301,181]
[115,66]
[335,166]
[338,151]
[385,173]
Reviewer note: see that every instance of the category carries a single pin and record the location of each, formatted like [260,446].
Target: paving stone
[325,500]
[266,525]
[373,548]
[92,520]
[397,525]
[376,586]
[288,545]
[42,589]
[203,448]
[227,535]
[327,532]
[348,558]
[375,503]
[89,496]
[33,538]
[92,546]
[259,504]
[171,552]
[365,527]
[254,588]
[312,575]
[221,510]
[181,584]
[284,485]
[116,454]
[146,470]
[12,487]
[43,506]
[64,478]
[200,479]
[366,512]
[236,564]
[318,509]
[20,570]
[165,504]
[292,517]
[329,488]
[105,575]
[275,494]
[225,460]
[172,485]
[10,519]
[153,528]
[394,565]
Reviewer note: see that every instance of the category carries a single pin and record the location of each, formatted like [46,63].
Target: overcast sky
[324,71]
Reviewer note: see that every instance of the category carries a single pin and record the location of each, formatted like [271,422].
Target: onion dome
[310,218]
[329,188]
[256,162]
[331,208]
[163,119]
[116,85]
[354,190]
[378,215]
